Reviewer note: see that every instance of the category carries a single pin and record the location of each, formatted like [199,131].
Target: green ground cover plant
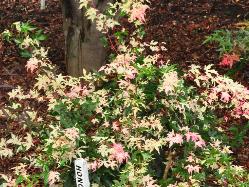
[26,37]
[233,47]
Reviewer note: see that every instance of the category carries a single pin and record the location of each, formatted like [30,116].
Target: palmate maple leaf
[53,177]
[91,14]
[192,169]
[229,60]
[173,137]
[32,64]
[119,154]
[15,140]
[225,97]
[138,13]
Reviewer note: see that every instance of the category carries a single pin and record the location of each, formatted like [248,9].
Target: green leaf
[104,41]
[41,37]
[19,180]
[25,54]
[26,27]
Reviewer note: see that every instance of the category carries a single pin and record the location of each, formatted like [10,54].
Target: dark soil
[12,66]
[185,24]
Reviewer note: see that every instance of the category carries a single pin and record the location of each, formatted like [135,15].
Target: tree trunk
[83,48]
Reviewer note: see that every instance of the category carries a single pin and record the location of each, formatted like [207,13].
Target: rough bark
[83,48]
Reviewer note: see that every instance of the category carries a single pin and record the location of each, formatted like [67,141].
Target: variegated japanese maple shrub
[137,121]
[233,46]
[26,36]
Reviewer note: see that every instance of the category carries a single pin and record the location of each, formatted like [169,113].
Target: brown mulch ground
[12,66]
[182,24]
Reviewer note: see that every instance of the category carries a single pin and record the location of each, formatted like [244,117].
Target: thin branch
[5,86]
[169,164]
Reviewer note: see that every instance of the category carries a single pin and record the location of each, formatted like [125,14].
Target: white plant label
[81,173]
[43,4]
